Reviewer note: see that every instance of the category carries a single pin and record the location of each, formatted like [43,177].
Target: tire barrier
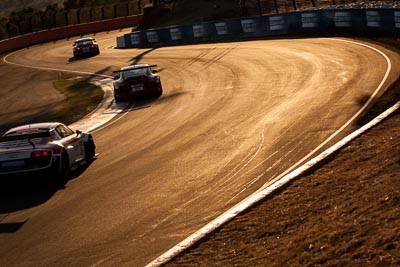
[383,21]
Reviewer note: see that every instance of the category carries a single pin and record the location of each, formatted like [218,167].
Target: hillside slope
[8,6]
[185,12]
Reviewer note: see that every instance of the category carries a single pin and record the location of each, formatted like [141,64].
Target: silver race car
[46,148]
[135,81]
[85,46]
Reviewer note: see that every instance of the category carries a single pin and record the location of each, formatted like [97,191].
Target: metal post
[78,16]
[54,20]
[42,21]
[19,27]
[276,7]
[30,24]
[294,4]
[66,18]
[8,29]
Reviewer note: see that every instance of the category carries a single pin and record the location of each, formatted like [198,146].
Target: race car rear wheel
[64,166]
[159,90]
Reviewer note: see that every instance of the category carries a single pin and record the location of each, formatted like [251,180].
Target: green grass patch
[81,97]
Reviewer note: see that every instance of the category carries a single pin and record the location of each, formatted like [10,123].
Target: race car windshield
[88,42]
[135,73]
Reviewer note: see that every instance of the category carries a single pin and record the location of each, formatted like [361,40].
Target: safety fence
[28,21]
[67,31]
[52,17]
[383,21]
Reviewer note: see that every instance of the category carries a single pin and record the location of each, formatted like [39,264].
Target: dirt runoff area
[345,213]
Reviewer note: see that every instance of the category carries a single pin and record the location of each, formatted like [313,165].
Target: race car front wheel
[89,149]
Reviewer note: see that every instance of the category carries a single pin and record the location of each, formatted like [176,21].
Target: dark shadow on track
[147,101]
[138,58]
[81,58]
[26,191]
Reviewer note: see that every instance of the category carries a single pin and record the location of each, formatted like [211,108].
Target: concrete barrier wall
[361,21]
[67,31]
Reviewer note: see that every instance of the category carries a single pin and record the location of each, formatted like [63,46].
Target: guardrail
[67,31]
[376,21]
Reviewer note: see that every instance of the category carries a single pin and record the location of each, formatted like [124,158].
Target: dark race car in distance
[85,46]
[49,148]
[136,80]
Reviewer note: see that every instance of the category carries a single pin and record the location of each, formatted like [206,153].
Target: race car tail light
[121,85]
[40,158]
[40,153]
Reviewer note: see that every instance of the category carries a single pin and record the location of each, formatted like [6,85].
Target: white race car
[46,148]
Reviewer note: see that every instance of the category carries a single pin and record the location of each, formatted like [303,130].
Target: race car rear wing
[134,68]
[24,136]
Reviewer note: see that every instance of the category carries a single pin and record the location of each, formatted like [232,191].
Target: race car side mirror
[78,132]
[155,71]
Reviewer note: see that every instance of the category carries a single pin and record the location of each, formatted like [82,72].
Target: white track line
[286,176]
[50,69]
[103,113]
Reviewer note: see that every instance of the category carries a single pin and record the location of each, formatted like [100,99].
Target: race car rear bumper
[49,165]
[129,93]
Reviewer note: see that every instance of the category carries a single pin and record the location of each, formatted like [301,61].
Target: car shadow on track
[27,191]
[81,58]
[138,103]
[146,102]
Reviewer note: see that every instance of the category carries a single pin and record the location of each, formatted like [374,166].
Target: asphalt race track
[233,116]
